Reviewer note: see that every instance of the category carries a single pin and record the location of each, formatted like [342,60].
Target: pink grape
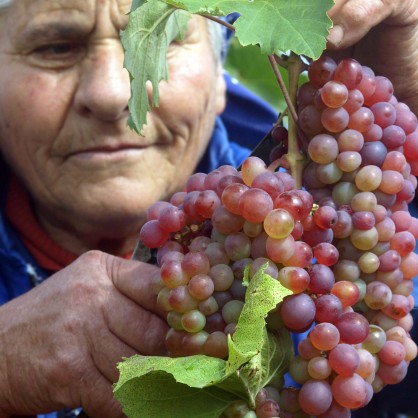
[306,349]
[323,148]
[297,312]
[322,279]
[327,308]
[349,391]
[301,257]
[294,278]
[324,336]
[392,353]
[355,100]
[347,292]
[321,70]
[344,359]
[353,327]
[255,204]
[315,396]
[349,72]
[334,94]
[231,196]
[152,235]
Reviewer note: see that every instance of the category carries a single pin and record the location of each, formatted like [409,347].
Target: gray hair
[216,37]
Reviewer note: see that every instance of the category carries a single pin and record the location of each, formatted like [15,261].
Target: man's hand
[382,34]
[354,18]
[60,342]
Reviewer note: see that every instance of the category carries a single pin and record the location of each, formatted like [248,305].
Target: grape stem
[282,85]
[220,21]
[279,121]
[280,162]
[295,156]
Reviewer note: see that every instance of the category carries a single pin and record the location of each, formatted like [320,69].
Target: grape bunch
[343,245]
[363,161]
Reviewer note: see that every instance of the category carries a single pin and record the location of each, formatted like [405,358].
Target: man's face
[63,114]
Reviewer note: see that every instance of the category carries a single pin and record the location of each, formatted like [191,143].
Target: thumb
[353,19]
[136,280]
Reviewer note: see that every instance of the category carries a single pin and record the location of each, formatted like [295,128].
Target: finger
[136,280]
[103,406]
[108,353]
[139,328]
[338,5]
[353,19]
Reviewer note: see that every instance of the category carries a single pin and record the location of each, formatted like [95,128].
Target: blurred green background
[254,71]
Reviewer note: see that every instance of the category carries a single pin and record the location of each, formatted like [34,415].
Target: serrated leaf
[157,394]
[197,371]
[262,295]
[201,385]
[148,387]
[137,3]
[275,25]
[270,364]
[151,28]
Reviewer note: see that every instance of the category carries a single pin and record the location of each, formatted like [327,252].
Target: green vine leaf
[261,297]
[152,27]
[259,356]
[204,386]
[137,3]
[172,387]
[300,26]
[159,395]
[269,365]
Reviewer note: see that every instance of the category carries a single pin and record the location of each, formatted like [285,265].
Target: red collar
[19,211]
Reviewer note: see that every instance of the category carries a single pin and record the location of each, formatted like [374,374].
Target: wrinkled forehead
[7,3]
[120,6]
[20,16]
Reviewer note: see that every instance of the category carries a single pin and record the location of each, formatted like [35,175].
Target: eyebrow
[54,30]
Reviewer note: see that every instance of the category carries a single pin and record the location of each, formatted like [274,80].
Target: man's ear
[220,90]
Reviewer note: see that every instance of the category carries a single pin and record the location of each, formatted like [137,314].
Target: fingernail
[335,35]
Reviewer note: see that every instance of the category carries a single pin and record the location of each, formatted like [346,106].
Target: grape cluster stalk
[343,245]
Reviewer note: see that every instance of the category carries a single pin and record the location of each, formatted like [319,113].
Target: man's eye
[57,51]
[58,55]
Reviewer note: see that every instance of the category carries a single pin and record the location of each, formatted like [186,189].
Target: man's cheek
[185,101]
[49,96]
[191,81]
[10,128]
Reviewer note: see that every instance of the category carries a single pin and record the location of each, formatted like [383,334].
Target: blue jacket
[18,270]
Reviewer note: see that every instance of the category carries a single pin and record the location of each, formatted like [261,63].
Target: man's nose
[104,87]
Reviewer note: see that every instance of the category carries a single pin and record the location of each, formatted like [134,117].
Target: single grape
[297,312]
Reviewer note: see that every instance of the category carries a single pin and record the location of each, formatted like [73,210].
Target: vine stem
[283,88]
[220,21]
[295,156]
[281,117]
